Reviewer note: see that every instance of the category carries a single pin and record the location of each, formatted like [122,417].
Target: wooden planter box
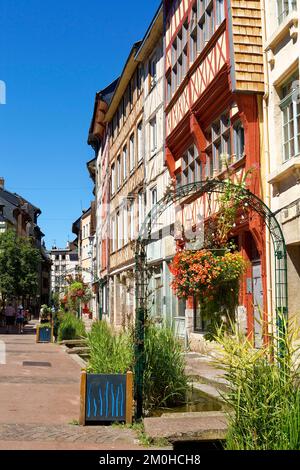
[44,335]
[106,398]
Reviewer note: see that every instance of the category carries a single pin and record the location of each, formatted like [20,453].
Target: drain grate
[37,364]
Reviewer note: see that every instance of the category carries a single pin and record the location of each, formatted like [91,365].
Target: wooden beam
[82,398]
[199,137]
[129,397]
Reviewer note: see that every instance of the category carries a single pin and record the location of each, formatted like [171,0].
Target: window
[221,146]
[125,162]
[141,206]
[153,135]
[191,166]
[239,140]
[125,224]
[152,72]
[290,108]
[132,220]
[113,233]
[140,142]
[115,126]
[119,230]
[208,20]
[156,293]
[169,88]
[200,324]
[224,141]
[220,13]
[113,179]
[284,7]
[193,34]
[119,172]
[130,95]
[131,153]
[139,78]
[153,196]
[179,59]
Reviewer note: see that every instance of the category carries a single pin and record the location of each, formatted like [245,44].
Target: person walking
[10,314]
[20,319]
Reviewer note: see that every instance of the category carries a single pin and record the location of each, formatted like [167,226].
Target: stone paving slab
[202,369]
[67,433]
[39,403]
[205,427]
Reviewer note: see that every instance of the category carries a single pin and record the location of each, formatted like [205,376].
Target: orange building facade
[213,88]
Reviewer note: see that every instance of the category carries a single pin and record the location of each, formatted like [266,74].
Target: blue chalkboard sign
[44,335]
[105,398]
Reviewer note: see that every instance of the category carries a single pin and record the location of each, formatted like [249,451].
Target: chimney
[2,181]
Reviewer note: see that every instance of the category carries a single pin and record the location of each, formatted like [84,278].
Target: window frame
[113,179]
[119,172]
[288,102]
[153,135]
[140,142]
[283,12]
[131,153]
[124,161]
[152,71]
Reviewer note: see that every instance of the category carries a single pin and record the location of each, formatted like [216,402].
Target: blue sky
[54,56]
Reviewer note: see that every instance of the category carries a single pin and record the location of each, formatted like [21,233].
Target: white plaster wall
[281,58]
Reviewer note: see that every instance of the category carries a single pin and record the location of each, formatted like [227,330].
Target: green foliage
[57,317]
[45,312]
[55,300]
[165,383]
[76,293]
[232,203]
[19,264]
[110,353]
[263,397]
[71,327]
[45,325]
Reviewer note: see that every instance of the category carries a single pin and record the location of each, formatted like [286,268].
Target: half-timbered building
[98,139]
[124,118]
[213,86]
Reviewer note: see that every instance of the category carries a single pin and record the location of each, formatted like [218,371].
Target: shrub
[165,382]
[110,353]
[45,325]
[263,397]
[70,327]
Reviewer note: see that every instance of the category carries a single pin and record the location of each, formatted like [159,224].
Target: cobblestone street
[39,398]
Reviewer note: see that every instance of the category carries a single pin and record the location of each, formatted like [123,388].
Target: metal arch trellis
[201,188]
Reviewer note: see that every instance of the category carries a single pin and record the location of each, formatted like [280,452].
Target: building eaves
[125,77]
[102,100]
[153,33]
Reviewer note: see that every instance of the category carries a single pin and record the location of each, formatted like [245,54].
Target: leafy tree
[19,266]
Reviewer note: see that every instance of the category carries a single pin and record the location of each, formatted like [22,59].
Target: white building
[282,131]
[64,263]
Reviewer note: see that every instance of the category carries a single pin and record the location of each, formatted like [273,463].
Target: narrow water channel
[196,401]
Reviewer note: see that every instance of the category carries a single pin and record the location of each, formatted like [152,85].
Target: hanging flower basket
[200,273]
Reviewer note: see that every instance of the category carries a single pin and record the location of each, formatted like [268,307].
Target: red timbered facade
[213,89]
